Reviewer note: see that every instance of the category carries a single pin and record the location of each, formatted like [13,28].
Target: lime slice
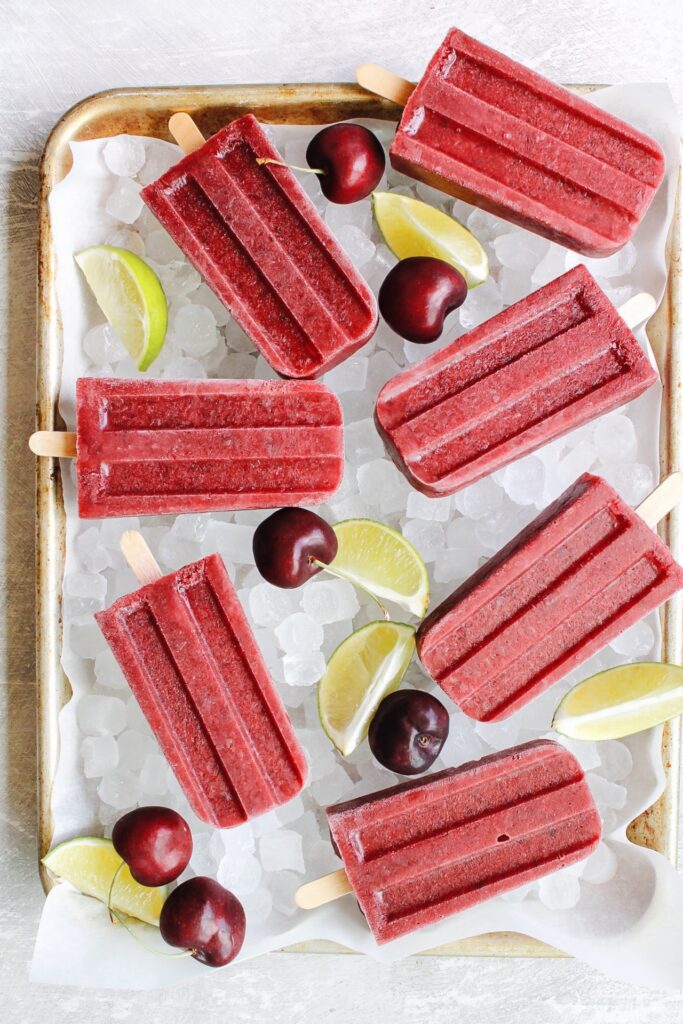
[89,864]
[413,228]
[131,297]
[621,701]
[383,562]
[365,667]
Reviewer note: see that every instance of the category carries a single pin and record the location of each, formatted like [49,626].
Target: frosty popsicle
[257,239]
[488,130]
[421,851]
[554,360]
[583,571]
[148,447]
[186,649]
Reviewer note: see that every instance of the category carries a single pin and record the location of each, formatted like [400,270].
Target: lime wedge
[413,228]
[131,297]
[89,864]
[365,667]
[621,701]
[383,562]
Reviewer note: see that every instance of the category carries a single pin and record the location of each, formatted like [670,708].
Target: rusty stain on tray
[146,112]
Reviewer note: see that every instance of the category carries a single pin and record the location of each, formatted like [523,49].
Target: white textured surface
[51,55]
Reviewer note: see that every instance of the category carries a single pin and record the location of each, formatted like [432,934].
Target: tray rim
[657,827]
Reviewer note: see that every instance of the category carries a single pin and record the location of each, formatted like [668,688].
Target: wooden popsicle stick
[637,309]
[385,83]
[322,890]
[139,557]
[662,500]
[185,132]
[59,444]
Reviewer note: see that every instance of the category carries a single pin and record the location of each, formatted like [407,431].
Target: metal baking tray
[146,112]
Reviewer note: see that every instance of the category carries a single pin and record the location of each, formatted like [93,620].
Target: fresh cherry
[408,731]
[203,916]
[155,843]
[286,543]
[417,295]
[351,158]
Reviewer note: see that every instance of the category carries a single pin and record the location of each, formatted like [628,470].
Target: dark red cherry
[351,157]
[417,295]
[408,731]
[203,916]
[286,543]
[155,842]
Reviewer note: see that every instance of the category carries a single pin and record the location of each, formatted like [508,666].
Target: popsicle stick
[637,309]
[60,444]
[139,557]
[322,890]
[185,132]
[385,83]
[662,500]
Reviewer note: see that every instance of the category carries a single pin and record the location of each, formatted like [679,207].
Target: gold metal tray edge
[146,112]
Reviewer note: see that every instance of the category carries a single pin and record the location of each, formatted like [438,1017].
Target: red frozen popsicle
[257,239]
[421,851]
[488,130]
[554,360]
[147,447]
[584,570]
[186,649]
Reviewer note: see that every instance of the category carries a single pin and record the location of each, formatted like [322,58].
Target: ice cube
[191,527]
[124,238]
[380,483]
[281,851]
[516,895]
[258,906]
[462,743]
[496,528]
[124,155]
[175,552]
[606,793]
[617,760]
[231,541]
[362,442]
[523,480]
[299,633]
[93,555]
[100,756]
[587,753]
[601,866]
[329,601]
[185,368]
[381,369]
[500,734]
[283,887]
[454,564]
[351,375]
[332,787]
[120,789]
[303,669]
[86,586]
[615,439]
[291,811]
[134,748]
[479,499]
[265,823]
[102,345]
[153,775]
[124,202]
[635,642]
[550,267]
[195,330]
[420,506]
[240,874]
[98,715]
[270,605]
[111,530]
[427,538]
[356,244]
[481,304]
[520,250]
[160,247]
[86,640]
[559,891]
[632,480]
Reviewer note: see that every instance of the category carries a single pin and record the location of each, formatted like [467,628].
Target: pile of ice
[265,861]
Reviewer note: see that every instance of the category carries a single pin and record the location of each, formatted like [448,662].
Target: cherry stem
[292,167]
[114,914]
[343,576]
